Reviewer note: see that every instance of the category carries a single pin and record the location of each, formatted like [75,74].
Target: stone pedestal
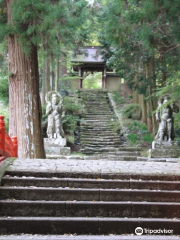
[56,146]
[164,150]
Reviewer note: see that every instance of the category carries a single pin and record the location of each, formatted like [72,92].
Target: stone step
[25,208]
[89,183]
[93,175]
[99,110]
[98,107]
[114,157]
[88,203]
[85,225]
[99,116]
[110,156]
[100,143]
[99,122]
[120,155]
[97,127]
[100,149]
[85,237]
[79,194]
[88,139]
[91,137]
[98,119]
[108,132]
[129,149]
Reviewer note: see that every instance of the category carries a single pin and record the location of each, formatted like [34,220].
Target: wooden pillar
[104,78]
[80,78]
[2,136]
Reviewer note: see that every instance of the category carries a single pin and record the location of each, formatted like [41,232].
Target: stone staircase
[77,203]
[97,127]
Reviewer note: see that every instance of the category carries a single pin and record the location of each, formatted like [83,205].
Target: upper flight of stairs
[77,203]
[97,134]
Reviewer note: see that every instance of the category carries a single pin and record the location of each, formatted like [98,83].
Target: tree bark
[24,99]
[135,92]
[150,104]
[143,107]
[57,75]
[45,80]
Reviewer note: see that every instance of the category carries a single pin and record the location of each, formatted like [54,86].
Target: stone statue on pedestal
[164,144]
[55,112]
[164,116]
[55,144]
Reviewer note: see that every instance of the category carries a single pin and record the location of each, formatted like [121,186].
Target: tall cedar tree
[24,99]
[32,23]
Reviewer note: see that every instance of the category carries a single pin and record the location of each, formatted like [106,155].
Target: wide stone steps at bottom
[86,237]
[47,203]
[26,208]
[46,181]
[65,225]
[78,194]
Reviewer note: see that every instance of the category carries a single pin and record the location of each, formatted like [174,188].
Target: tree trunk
[135,92]
[24,99]
[143,107]
[57,75]
[46,79]
[150,105]
[52,72]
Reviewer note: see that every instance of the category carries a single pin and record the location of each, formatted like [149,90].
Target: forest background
[141,42]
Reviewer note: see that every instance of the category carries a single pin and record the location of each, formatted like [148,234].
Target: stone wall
[113,82]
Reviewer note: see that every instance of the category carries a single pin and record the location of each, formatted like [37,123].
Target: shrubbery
[138,134]
[132,111]
[74,109]
[117,98]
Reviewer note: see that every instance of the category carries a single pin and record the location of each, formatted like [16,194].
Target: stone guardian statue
[164,116]
[164,145]
[55,112]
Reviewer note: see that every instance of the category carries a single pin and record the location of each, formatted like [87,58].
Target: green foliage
[138,127]
[93,81]
[116,126]
[132,138]
[73,106]
[55,26]
[70,139]
[148,138]
[131,37]
[4,88]
[44,115]
[4,84]
[5,112]
[74,109]
[70,123]
[138,134]
[117,98]
[132,111]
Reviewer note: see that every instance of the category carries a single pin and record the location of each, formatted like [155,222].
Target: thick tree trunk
[24,100]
